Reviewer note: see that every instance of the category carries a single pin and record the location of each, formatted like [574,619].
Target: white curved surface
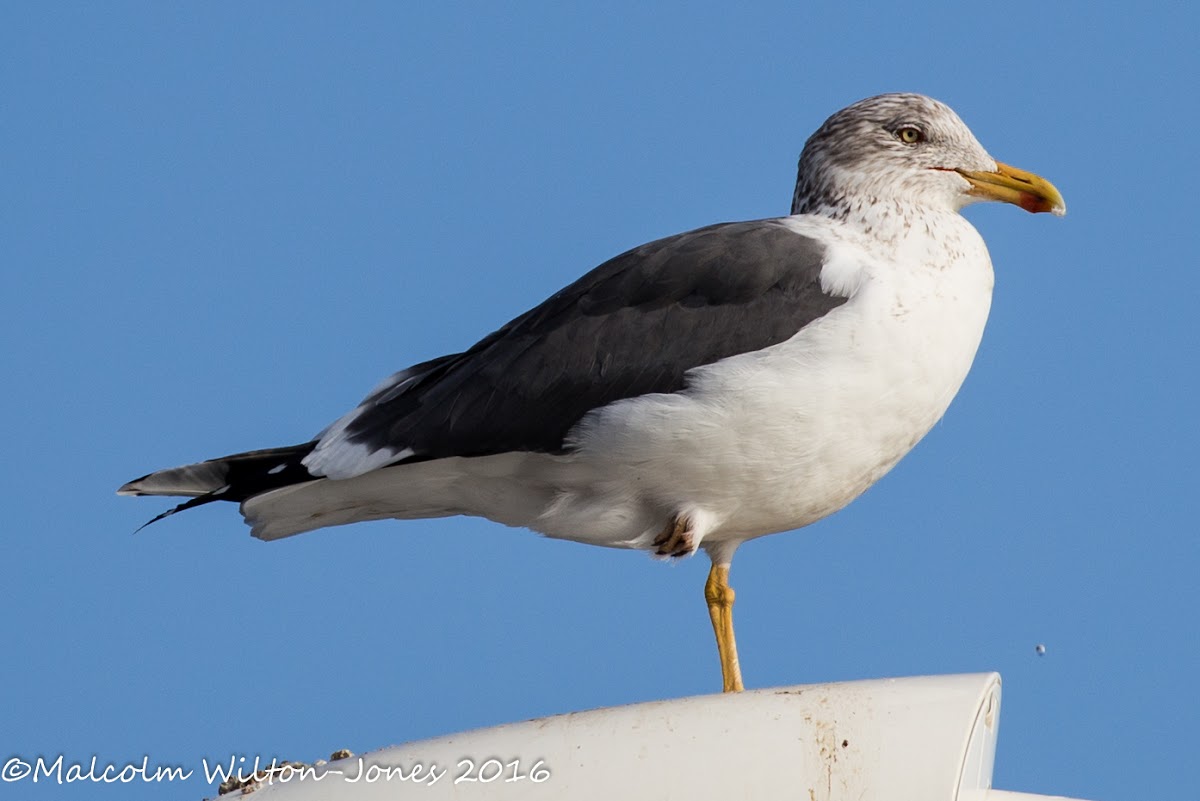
[930,738]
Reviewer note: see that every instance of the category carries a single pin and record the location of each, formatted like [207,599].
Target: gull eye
[910,135]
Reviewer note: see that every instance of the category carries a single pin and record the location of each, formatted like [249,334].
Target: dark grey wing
[634,325]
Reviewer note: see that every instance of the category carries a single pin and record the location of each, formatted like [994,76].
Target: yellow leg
[719,596]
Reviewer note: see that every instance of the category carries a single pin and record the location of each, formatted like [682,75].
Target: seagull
[695,392]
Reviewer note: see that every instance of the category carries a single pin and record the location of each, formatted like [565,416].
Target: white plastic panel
[929,738]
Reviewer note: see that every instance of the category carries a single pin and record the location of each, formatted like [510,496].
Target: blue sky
[222,224]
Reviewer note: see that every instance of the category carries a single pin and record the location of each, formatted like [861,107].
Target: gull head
[910,151]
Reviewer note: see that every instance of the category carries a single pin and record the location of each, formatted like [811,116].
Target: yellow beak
[1010,185]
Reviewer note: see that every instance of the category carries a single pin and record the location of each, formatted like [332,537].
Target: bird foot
[676,539]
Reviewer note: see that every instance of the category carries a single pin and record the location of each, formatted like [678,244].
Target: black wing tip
[240,476]
[190,503]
